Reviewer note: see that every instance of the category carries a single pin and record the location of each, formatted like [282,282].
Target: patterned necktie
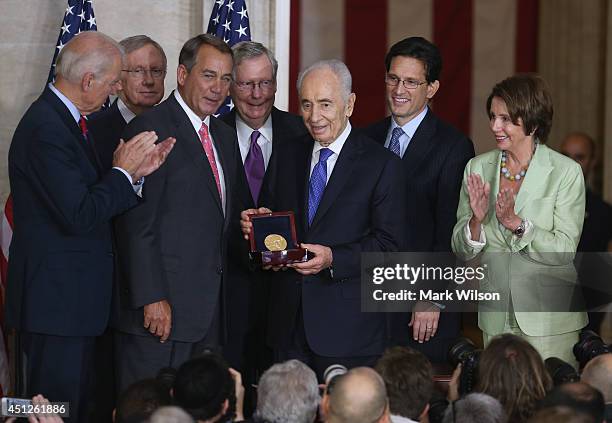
[210,154]
[254,167]
[318,180]
[394,145]
[83,126]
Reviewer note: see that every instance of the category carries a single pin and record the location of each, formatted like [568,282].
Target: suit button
[219,270]
[111,254]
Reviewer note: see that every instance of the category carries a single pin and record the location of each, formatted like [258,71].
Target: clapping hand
[504,210]
[479,196]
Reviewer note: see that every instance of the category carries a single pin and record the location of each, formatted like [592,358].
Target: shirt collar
[125,111]
[401,419]
[69,104]
[412,125]
[337,145]
[245,130]
[195,120]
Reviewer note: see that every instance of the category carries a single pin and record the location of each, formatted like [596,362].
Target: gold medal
[275,242]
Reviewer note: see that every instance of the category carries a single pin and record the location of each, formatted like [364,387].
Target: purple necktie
[254,167]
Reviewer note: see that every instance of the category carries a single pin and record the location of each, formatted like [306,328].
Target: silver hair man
[72,64]
[475,408]
[287,393]
[136,42]
[250,49]
[338,68]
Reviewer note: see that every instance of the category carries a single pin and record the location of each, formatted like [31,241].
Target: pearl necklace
[506,172]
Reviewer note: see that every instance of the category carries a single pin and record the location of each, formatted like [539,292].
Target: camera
[589,346]
[330,375]
[560,371]
[465,352]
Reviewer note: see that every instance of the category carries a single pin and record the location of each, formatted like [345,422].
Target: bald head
[581,148]
[358,397]
[88,69]
[598,374]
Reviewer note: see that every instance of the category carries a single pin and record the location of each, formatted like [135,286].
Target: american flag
[229,21]
[79,16]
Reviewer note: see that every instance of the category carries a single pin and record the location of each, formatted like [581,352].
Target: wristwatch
[520,230]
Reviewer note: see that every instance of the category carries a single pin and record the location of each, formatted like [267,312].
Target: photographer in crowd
[513,372]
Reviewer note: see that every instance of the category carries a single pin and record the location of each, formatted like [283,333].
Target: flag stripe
[526,48]
[294,53]
[453,35]
[364,51]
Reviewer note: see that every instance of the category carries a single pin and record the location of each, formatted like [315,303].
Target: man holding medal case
[314,309]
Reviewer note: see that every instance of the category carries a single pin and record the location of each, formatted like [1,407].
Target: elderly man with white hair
[342,187]
[61,269]
[287,393]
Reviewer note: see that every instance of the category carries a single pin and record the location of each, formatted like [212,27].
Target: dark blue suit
[107,127]
[61,258]
[361,210]
[433,167]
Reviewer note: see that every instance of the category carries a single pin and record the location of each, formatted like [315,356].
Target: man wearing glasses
[260,128]
[141,87]
[434,155]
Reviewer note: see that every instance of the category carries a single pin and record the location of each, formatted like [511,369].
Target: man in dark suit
[434,155]
[341,186]
[61,258]
[596,234]
[260,127]
[141,87]
[172,247]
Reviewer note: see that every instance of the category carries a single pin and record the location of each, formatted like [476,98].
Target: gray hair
[338,68]
[88,51]
[170,414]
[249,50]
[475,408]
[136,42]
[287,393]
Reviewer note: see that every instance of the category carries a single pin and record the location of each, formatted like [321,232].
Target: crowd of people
[131,282]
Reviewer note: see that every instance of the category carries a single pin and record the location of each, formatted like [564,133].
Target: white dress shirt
[264,140]
[335,147]
[127,114]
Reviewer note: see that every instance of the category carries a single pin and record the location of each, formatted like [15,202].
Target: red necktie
[83,125]
[208,149]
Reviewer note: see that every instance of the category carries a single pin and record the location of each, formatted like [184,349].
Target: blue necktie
[318,180]
[394,145]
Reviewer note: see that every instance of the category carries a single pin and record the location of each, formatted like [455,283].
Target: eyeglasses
[140,73]
[266,84]
[411,84]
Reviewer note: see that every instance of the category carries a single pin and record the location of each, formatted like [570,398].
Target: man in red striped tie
[172,246]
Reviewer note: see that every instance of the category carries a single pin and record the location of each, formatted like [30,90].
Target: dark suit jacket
[173,245]
[349,220]
[61,259]
[433,167]
[107,127]
[247,293]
